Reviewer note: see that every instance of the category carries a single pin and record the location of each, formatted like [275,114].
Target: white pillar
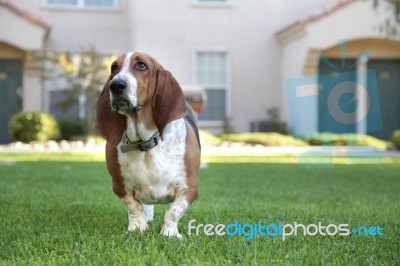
[362,97]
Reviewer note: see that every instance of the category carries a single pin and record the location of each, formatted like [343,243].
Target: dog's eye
[114,69]
[140,66]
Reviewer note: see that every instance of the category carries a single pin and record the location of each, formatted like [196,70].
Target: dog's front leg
[182,201]
[136,214]
[172,216]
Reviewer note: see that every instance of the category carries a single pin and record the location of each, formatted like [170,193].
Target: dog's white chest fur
[154,176]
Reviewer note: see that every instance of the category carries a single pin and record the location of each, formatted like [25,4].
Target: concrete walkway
[349,151]
[234,149]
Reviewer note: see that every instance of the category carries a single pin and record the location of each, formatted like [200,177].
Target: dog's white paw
[170,230]
[137,224]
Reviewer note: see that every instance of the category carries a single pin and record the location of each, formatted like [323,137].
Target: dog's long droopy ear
[111,125]
[168,102]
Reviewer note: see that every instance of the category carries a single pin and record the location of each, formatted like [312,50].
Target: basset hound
[153,147]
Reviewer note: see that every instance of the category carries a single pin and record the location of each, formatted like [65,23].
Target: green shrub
[208,139]
[95,138]
[266,139]
[70,128]
[396,139]
[33,126]
[331,139]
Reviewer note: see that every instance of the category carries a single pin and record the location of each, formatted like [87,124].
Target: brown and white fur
[139,98]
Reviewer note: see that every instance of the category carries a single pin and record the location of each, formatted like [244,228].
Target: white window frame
[80,5]
[215,123]
[210,3]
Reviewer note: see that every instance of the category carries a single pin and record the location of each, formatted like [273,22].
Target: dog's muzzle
[124,105]
[118,88]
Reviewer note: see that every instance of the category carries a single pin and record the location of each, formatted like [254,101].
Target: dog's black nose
[118,86]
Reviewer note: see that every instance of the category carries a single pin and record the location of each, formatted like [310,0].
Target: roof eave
[26,14]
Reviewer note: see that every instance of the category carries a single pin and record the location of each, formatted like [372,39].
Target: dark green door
[388,82]
[329,77]
[10,94]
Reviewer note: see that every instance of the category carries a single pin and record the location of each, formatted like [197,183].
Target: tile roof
[316,15]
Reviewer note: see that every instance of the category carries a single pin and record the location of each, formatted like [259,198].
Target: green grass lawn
[59,209]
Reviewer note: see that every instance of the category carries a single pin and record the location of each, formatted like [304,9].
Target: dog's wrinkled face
[129,82]
[138,87]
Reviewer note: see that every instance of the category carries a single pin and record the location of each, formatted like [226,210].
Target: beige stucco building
[242,52]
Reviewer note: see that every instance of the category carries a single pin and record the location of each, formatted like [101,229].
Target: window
[99,3]
[62,2]
[82,3]
[212,1]
[211,73]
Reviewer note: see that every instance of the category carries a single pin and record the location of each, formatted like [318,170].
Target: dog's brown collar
[139,145]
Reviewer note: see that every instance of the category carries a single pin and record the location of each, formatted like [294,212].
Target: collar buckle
[140,145]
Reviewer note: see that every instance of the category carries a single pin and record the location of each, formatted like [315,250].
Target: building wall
[74,29]
[18,38]
[354,21]
[11,27]
[378,48]
[356,24]
[173,32]
[8,51]
[294,54]
[235,29]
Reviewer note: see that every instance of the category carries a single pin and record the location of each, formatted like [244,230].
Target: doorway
[10,94]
